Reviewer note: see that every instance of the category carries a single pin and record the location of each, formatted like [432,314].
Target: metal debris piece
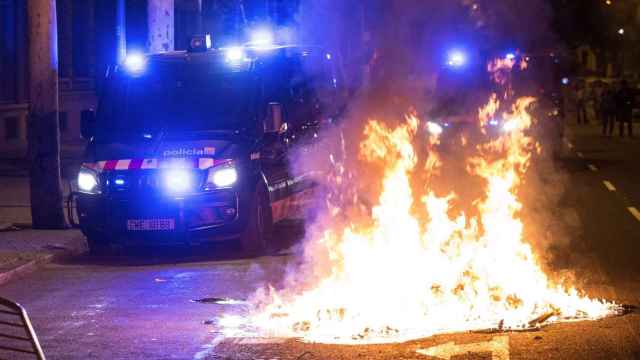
[627,309]
[219,301]
[54,247]
[542,318]
[304,355]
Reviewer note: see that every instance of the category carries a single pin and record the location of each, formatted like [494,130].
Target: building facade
[77,70]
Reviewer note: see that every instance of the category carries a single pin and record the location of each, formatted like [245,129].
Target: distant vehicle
[192,146]
[463,87]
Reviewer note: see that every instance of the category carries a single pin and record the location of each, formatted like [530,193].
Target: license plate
[151,224]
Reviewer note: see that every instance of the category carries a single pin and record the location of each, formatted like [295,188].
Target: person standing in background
[592,102]
[624,106]
[581,104]
[608,110]
[597,92]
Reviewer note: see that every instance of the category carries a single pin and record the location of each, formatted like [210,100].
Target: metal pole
[199,28]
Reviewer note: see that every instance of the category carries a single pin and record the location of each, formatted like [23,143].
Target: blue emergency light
[135,63]
[457,58]
[235,54]
[261,38]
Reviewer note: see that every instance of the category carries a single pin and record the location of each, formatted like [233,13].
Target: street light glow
[621,31]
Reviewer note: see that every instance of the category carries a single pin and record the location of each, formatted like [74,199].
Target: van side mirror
[87,124]
[273,120]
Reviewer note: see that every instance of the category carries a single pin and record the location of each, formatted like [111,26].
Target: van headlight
[221,177]
[88,181]
[434,128]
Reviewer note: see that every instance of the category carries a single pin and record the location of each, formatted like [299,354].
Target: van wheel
[256,237]
[98,244]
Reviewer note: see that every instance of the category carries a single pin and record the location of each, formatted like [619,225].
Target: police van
[192,146]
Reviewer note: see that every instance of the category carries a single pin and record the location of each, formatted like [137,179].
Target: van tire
[256,237]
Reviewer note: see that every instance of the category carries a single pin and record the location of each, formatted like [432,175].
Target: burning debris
[402,274]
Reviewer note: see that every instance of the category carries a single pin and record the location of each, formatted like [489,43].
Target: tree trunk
[160,20]
[47,211]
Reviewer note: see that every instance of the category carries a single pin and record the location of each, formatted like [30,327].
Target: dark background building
[593,38]
[89,42]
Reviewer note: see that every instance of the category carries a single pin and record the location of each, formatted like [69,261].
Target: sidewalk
[22,251]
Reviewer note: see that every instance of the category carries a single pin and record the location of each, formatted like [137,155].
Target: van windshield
[460,93]
[132,107]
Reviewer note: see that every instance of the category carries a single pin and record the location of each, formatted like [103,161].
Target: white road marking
[498,347]
[609,185]
[592,167]
[580,155]
[208,348]
[634,212]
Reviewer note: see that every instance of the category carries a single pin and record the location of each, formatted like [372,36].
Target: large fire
[401,275]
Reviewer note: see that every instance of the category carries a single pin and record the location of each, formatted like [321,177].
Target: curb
[33,265]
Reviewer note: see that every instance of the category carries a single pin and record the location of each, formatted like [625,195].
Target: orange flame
[399,276]
[500,69]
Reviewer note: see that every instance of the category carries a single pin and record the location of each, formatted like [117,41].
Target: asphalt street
[140,306]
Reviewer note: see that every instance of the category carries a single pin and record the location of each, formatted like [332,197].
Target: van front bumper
[211,216]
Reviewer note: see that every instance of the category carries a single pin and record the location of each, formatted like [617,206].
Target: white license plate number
[151,224]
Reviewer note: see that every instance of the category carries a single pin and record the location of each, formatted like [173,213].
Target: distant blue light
[328,56]
[456,58]
[565,81]
[493,122]
[511,56]
[119,182]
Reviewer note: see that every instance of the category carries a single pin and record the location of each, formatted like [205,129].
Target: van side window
[304,105]
[304,108]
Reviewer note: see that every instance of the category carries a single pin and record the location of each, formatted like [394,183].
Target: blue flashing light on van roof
[262,38]
[135,63]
